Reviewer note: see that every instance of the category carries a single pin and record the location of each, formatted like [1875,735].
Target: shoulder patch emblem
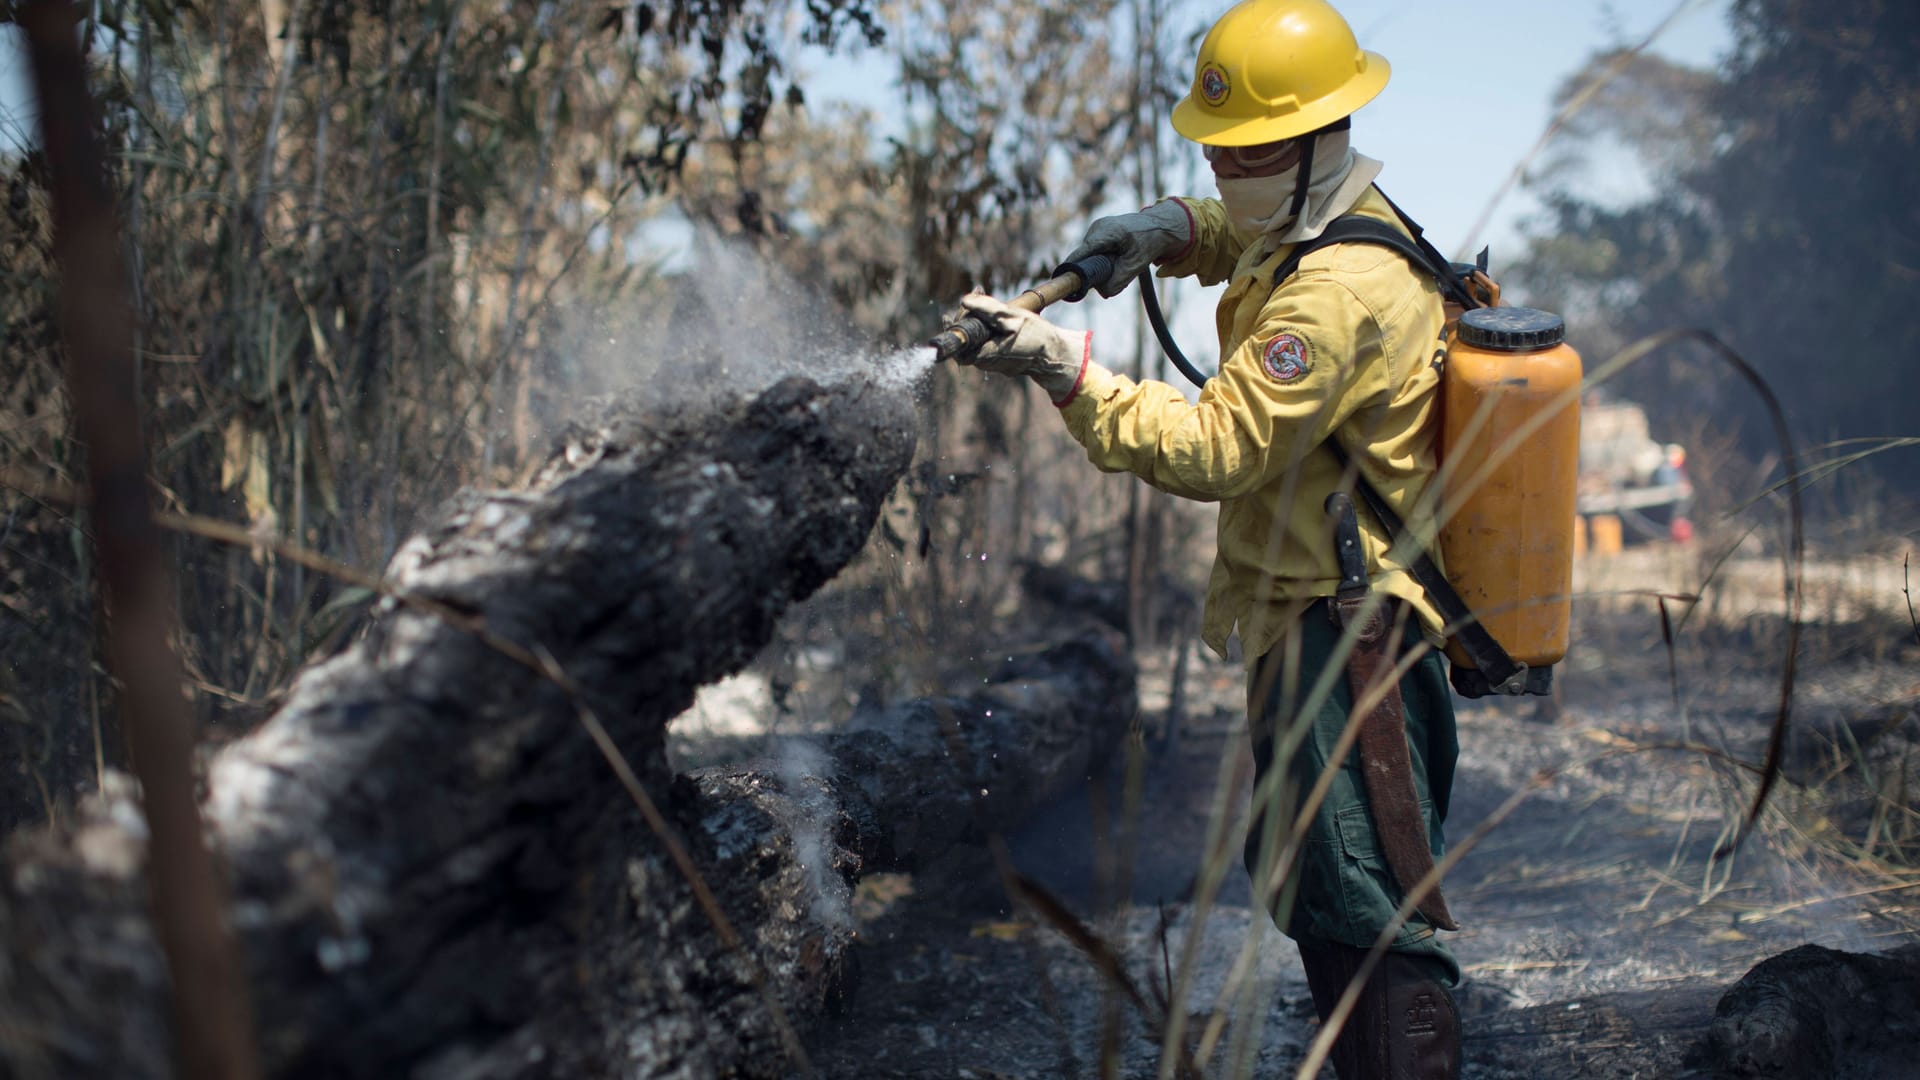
[1288,358]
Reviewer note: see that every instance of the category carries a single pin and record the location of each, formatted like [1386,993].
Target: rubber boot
[1405,1025]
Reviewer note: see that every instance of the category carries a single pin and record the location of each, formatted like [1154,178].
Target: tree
[1782,221]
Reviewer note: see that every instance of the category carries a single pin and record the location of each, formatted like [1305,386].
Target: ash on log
[435,873]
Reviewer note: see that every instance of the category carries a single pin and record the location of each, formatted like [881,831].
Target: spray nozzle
[1070,282]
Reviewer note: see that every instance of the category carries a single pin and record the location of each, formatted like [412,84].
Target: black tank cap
[1512,329]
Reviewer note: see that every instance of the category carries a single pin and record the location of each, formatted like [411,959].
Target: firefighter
[1340,352]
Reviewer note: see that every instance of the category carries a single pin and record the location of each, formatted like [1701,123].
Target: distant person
[1340,351]
[1673,472]
[1673,466]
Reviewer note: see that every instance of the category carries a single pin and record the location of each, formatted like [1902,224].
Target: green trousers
[1338,888]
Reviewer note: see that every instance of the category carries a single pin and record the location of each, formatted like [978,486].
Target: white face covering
[1258,204]
[1253,202]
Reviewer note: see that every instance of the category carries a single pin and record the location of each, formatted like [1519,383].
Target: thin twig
[1673,659]
[1856,894]
[512,341]
[709,903]
[289,59]
[1906,588]
[429,295]
[1106,960]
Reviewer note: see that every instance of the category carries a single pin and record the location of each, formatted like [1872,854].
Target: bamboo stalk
[288,59]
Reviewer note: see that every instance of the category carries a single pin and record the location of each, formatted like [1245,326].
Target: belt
[1385,762]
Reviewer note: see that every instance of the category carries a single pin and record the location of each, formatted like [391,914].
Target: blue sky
[1470,95]
[14,116]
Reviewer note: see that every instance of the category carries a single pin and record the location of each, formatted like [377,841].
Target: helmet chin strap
[1305,179]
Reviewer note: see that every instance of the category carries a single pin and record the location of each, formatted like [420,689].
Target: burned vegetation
[372,274]
[438,873]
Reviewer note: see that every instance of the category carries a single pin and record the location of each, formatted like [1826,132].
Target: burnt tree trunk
[1815,1011]
[435,873]
[1808,1012]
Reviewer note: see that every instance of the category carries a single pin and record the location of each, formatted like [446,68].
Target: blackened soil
[1599,930]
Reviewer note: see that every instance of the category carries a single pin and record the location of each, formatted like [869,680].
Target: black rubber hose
[1093,272]
[1159,324]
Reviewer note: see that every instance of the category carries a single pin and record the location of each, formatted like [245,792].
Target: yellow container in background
[1510,447]
[1608,537]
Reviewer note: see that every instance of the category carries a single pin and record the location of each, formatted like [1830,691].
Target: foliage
[353,230]
[379,250]
[1782,220]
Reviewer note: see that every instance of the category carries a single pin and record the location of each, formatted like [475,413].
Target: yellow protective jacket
[1344,348]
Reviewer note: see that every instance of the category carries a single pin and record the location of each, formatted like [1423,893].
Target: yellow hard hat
[1276,69]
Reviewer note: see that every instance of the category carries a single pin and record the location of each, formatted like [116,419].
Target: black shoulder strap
[1352,229]
[1495,671]
[1358,229]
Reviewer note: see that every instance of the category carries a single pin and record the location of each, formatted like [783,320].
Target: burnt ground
[1599,934]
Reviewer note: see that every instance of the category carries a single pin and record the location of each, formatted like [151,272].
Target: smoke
[753,324]
[718,320]
[804,769]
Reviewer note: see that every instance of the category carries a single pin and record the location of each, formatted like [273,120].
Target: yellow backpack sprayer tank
[1510,453]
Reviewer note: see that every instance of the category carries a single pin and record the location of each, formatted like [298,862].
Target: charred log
[1056,585]
[435,873]
[911,781]
[1808,1012]
[1819,1012]
[1177,610]
[1626,1033]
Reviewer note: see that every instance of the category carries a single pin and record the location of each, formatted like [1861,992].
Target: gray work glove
[1026,344]
[1135,240]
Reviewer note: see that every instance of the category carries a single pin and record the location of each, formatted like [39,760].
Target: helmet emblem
[1214,86]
